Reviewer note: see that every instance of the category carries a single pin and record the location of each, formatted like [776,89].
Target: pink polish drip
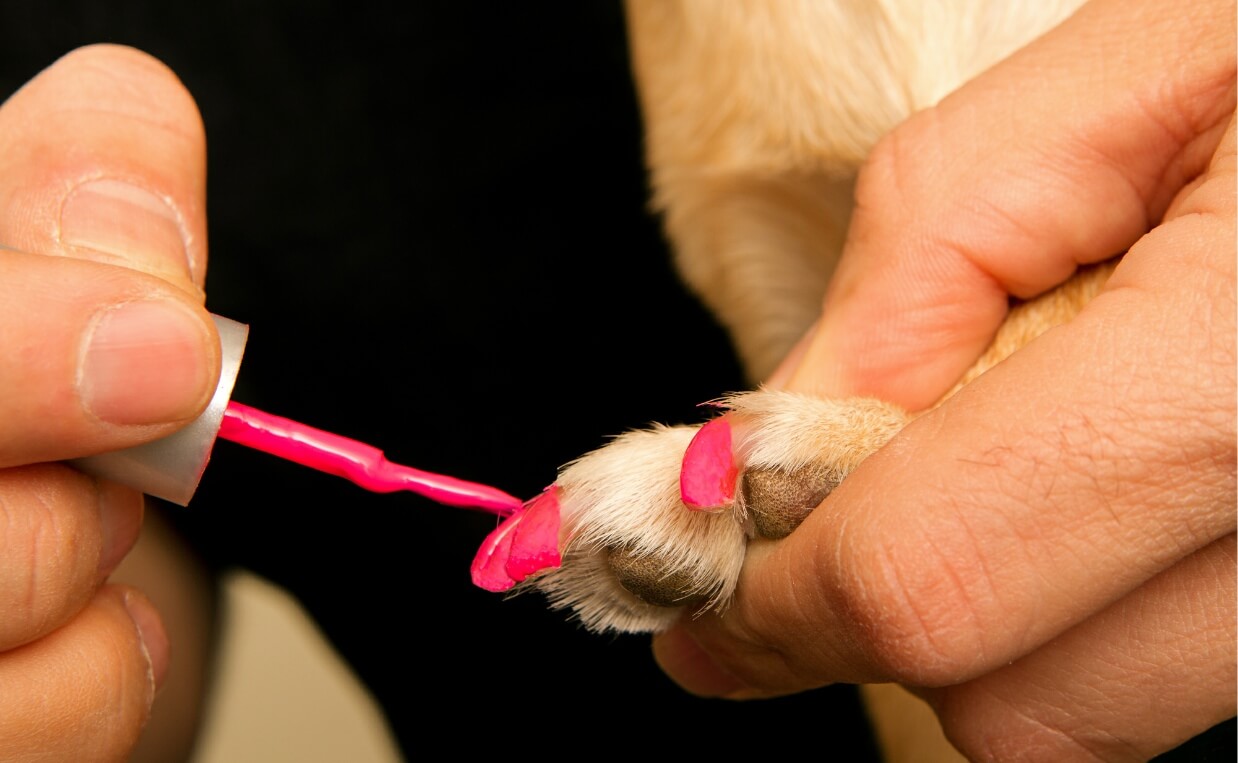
[362,464]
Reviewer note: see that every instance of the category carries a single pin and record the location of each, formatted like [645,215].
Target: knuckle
[904,163]
[987,726]
[916,605]
[49,540]
[80,693]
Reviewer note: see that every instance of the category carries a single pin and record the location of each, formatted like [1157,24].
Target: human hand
[1048,558]
[106,344]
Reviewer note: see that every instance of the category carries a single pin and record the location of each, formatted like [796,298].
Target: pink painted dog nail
[708,474]
[525,543]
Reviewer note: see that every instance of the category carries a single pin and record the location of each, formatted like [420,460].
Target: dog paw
[657,521]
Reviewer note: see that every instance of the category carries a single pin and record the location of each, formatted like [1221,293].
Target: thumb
[1062,155]
[102,189]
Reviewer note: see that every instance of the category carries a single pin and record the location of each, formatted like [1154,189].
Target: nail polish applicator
[171,467]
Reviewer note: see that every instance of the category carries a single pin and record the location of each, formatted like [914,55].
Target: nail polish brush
[171,468]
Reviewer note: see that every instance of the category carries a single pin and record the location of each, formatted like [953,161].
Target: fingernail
[126,225]
[153,637]
[687,664]
[145,363]
[120,520]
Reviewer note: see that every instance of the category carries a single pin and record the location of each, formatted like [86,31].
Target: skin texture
[1054,544]
[102,181]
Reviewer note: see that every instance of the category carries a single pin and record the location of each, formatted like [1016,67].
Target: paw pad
[780,499]
[650,578]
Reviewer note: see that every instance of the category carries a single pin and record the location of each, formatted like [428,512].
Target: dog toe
[795,449]
[636,554]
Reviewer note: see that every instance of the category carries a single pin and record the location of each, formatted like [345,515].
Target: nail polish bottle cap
[171,468]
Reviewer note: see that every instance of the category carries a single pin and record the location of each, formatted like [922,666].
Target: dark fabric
[435,221]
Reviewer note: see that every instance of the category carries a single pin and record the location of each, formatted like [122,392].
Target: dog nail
[707,477]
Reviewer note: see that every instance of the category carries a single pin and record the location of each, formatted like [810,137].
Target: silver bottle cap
[171,468]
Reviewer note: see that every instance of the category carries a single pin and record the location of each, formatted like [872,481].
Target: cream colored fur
[758,116]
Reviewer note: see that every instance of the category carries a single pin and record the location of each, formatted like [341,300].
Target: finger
[102,157]
[96,357]
[61,534]
[1070,163]
[85,691]
[1165,655]
[986,527]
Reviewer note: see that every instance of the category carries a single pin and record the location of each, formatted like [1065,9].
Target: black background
[435,222]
